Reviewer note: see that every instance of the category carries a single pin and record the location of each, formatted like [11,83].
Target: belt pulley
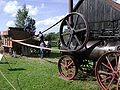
[74,32]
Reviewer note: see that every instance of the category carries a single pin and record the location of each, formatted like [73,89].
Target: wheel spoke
[68,25]
[67,33]
[109,63]
[77,40]
[76,46]
[69,41]
[105,73]
[106,78]
[116,60]
[117,84]
[106,66]
[65,62]
[110,83]
[62,65]
[118,67]
[76,20]
[70,64]
[80,30]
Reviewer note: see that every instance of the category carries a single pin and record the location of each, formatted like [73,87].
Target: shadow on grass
[51,62]
[54,55]
[85,77]
[4,63]
[16,69]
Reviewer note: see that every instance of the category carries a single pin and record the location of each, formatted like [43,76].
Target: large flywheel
[67,67]
[74,32]
[107,71]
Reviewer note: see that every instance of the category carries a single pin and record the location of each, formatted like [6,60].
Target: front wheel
[67,67]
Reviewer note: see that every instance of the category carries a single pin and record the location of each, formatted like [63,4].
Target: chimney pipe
[70,4]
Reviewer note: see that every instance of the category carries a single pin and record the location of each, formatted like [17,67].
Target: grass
[37,74]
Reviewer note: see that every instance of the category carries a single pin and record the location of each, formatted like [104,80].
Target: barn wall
[99,14]
[99,10]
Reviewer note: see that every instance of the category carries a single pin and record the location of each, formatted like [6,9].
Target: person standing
[48,45]
[41,44]
[40,35]
[42,51]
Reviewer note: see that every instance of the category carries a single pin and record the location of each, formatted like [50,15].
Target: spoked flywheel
[74,32]
[67,67]
[107,71]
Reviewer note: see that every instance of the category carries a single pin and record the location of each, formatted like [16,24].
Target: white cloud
[49,21]
[10,24]
[33,11]
[118,1]
[42,5]
[46,23]
[11,7]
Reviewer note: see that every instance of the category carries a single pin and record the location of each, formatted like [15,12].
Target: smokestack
[70,5]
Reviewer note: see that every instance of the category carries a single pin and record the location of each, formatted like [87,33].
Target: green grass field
[38,74]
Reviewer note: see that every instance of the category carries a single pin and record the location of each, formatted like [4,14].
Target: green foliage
[23,20]
[30,25]
[52,36]
[21,16]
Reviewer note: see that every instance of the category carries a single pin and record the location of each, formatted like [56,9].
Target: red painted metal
[107,71]
[67,67]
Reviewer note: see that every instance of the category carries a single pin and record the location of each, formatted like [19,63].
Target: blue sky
[45,12]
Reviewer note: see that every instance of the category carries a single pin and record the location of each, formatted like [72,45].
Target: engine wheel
[67,67]
[74,32]
[107,71]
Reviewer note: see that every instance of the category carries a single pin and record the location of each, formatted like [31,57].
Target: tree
[52,36]
[30,25]
[22,14]
[23,20]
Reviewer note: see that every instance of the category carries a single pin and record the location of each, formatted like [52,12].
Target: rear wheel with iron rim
[67,67]
[107,71]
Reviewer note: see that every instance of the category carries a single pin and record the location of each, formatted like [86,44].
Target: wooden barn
[17,34]
[99,14]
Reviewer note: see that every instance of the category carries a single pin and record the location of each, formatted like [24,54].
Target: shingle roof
[114,4]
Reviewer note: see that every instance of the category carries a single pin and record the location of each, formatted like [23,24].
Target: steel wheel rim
[72,35]
[67,67]
[107,73]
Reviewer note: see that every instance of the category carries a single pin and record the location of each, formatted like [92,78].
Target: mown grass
[38,74]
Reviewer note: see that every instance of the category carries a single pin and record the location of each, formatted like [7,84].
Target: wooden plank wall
[99,14]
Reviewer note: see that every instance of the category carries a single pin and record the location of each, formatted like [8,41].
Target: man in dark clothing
[40,35]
